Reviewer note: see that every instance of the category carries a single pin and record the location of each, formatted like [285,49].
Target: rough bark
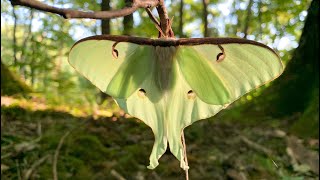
[164,18]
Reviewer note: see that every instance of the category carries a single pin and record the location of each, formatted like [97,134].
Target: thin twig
[34,166]
[3,148]
[185,154]
[117,175]
[256,146]
[39,129]
[161,33]
[71,13]
[56,155]
[156,22]
[152,17]
[164,18]
[6,155]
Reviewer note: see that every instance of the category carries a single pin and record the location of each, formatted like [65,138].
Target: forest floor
[41,142]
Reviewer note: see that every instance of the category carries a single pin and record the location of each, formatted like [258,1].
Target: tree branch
[33,167]
[164,18]
[70,13]
[152,17]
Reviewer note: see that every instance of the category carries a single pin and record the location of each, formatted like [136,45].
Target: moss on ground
[11,84]
[101,148]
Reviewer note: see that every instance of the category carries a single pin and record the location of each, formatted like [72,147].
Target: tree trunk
[15,36]
[293,91]
[23,58]
[180,31]
[105,23]
[105,29]
[205,18]
[128,21]
[260,19]
[247,20]
[27,37]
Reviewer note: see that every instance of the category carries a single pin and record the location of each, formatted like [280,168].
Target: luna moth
[171,83]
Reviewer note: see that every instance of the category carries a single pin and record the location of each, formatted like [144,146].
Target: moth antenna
[115,52]
[222,55]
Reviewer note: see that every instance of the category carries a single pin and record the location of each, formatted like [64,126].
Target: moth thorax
[164,63]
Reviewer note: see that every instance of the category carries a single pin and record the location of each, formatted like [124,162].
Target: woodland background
[55,124]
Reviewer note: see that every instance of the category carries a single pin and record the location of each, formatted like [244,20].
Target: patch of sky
[225,7]
[136,19]
[302,15]
[243,5]
[287,43]
[194,28]
[251,37]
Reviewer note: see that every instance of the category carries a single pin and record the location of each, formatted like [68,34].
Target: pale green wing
[205,82]
[167,112]
[148,105]
[232,75]
[183,109]
[244,68]
[117,76]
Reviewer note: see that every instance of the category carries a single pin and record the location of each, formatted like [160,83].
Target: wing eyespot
[142,93]
[191,94]
[221,56]
[115,52]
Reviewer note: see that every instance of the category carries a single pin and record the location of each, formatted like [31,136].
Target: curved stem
[185,154]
